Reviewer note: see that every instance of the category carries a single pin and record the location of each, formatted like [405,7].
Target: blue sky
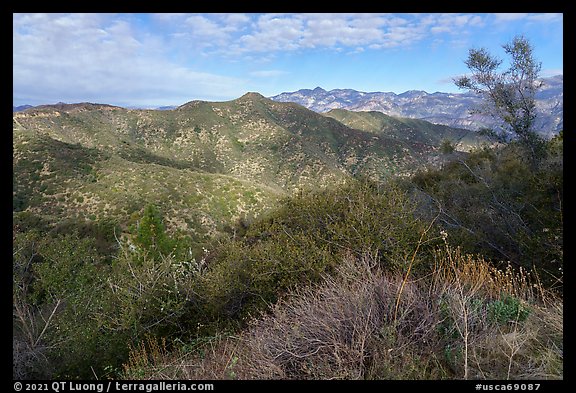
[151,60]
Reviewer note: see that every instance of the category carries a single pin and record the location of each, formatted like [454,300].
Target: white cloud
[236,20]
[441,29]
[99,58]
[234,35]
[243,36]
[274,32]
[404,35]
[203,27]
[356,51]
[453,23]
[545,18]
[476,20]
[348,32]
[169,17]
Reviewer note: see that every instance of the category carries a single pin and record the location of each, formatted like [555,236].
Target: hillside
[258,239]
[407,129]
[205,164]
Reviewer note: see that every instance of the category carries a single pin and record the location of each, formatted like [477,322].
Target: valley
[206,164]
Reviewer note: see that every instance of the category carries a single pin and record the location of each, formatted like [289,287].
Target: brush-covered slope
[414,131]
[204,163]
[60,181]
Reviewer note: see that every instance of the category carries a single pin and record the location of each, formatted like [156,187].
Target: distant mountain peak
[413,93]
[451,109]
[21,108]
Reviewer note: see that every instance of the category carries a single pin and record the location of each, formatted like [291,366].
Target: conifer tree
[151,234]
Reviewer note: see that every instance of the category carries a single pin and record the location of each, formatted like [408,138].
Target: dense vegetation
[451,273]
[204,165]
[412,131]
[500,203]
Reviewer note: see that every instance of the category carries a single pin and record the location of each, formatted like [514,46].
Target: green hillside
[58,181]
[206,164]
[406,129]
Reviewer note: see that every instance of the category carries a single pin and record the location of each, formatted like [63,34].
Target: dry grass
[532,350]
[364,323]
[211,358]
[489,349]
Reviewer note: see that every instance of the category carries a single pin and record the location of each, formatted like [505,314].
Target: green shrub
[146,296]
[151,235]
[304,239]
[494,202]
[57,291]
[103,232]
[447,147]
[505,310]
[23,221]
[68,267]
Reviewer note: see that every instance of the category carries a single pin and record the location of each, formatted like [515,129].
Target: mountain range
[205,164]
[20,108]
[452,109]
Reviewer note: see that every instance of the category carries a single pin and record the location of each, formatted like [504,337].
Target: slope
[406,129]
[58,182]
[206,164]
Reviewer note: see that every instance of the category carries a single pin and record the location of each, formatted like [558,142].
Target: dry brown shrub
[364,323]
[335,330]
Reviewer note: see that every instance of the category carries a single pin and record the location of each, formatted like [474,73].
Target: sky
[152,60]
